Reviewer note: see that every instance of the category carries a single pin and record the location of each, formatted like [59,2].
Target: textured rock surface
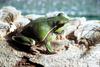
[7,55]
[70,58]
[3,29]
[10,20]
[12,55]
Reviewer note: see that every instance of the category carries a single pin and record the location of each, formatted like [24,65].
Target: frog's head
[61,20]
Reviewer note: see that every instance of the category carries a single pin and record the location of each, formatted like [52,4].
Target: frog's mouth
[57,29]
[59,26]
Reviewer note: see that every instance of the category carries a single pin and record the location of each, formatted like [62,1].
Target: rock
[9,57]
[9,14]
[12,18]
[4,27]
[60,45]
[73,24]
[34,16]
[12,54]
[21,21]
[89,30]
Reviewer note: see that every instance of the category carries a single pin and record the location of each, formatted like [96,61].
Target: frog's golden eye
[60,14]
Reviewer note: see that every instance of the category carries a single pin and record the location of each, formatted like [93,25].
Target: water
[87,8]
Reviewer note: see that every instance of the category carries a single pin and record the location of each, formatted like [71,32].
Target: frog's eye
[60,14]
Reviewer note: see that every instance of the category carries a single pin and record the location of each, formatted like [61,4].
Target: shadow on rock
[25,62]
[25,48]
[17,46]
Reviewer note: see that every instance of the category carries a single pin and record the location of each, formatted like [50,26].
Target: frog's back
[36,29]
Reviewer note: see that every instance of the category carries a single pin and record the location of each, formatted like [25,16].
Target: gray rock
[10,56]
[4,27]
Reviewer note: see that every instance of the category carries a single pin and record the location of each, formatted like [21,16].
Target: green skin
[39,28]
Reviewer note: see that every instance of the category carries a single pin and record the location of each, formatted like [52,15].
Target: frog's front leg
[48,44]
[49,48]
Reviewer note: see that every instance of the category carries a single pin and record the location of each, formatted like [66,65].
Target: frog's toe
[14,38]
[48,52]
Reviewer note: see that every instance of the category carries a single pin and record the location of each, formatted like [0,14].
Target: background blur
[87,8]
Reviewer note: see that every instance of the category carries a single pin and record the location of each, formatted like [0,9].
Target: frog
[41,29]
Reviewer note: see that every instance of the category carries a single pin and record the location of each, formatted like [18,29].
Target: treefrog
[40,30]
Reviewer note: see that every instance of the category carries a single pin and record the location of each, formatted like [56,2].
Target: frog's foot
[49,49]
[39,44]
[34,50]
[48,52]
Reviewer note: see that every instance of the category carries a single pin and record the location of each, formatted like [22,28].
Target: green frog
[41,29]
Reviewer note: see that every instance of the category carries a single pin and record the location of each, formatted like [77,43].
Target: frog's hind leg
[22,40]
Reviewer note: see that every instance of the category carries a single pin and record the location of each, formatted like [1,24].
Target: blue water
[87,8]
